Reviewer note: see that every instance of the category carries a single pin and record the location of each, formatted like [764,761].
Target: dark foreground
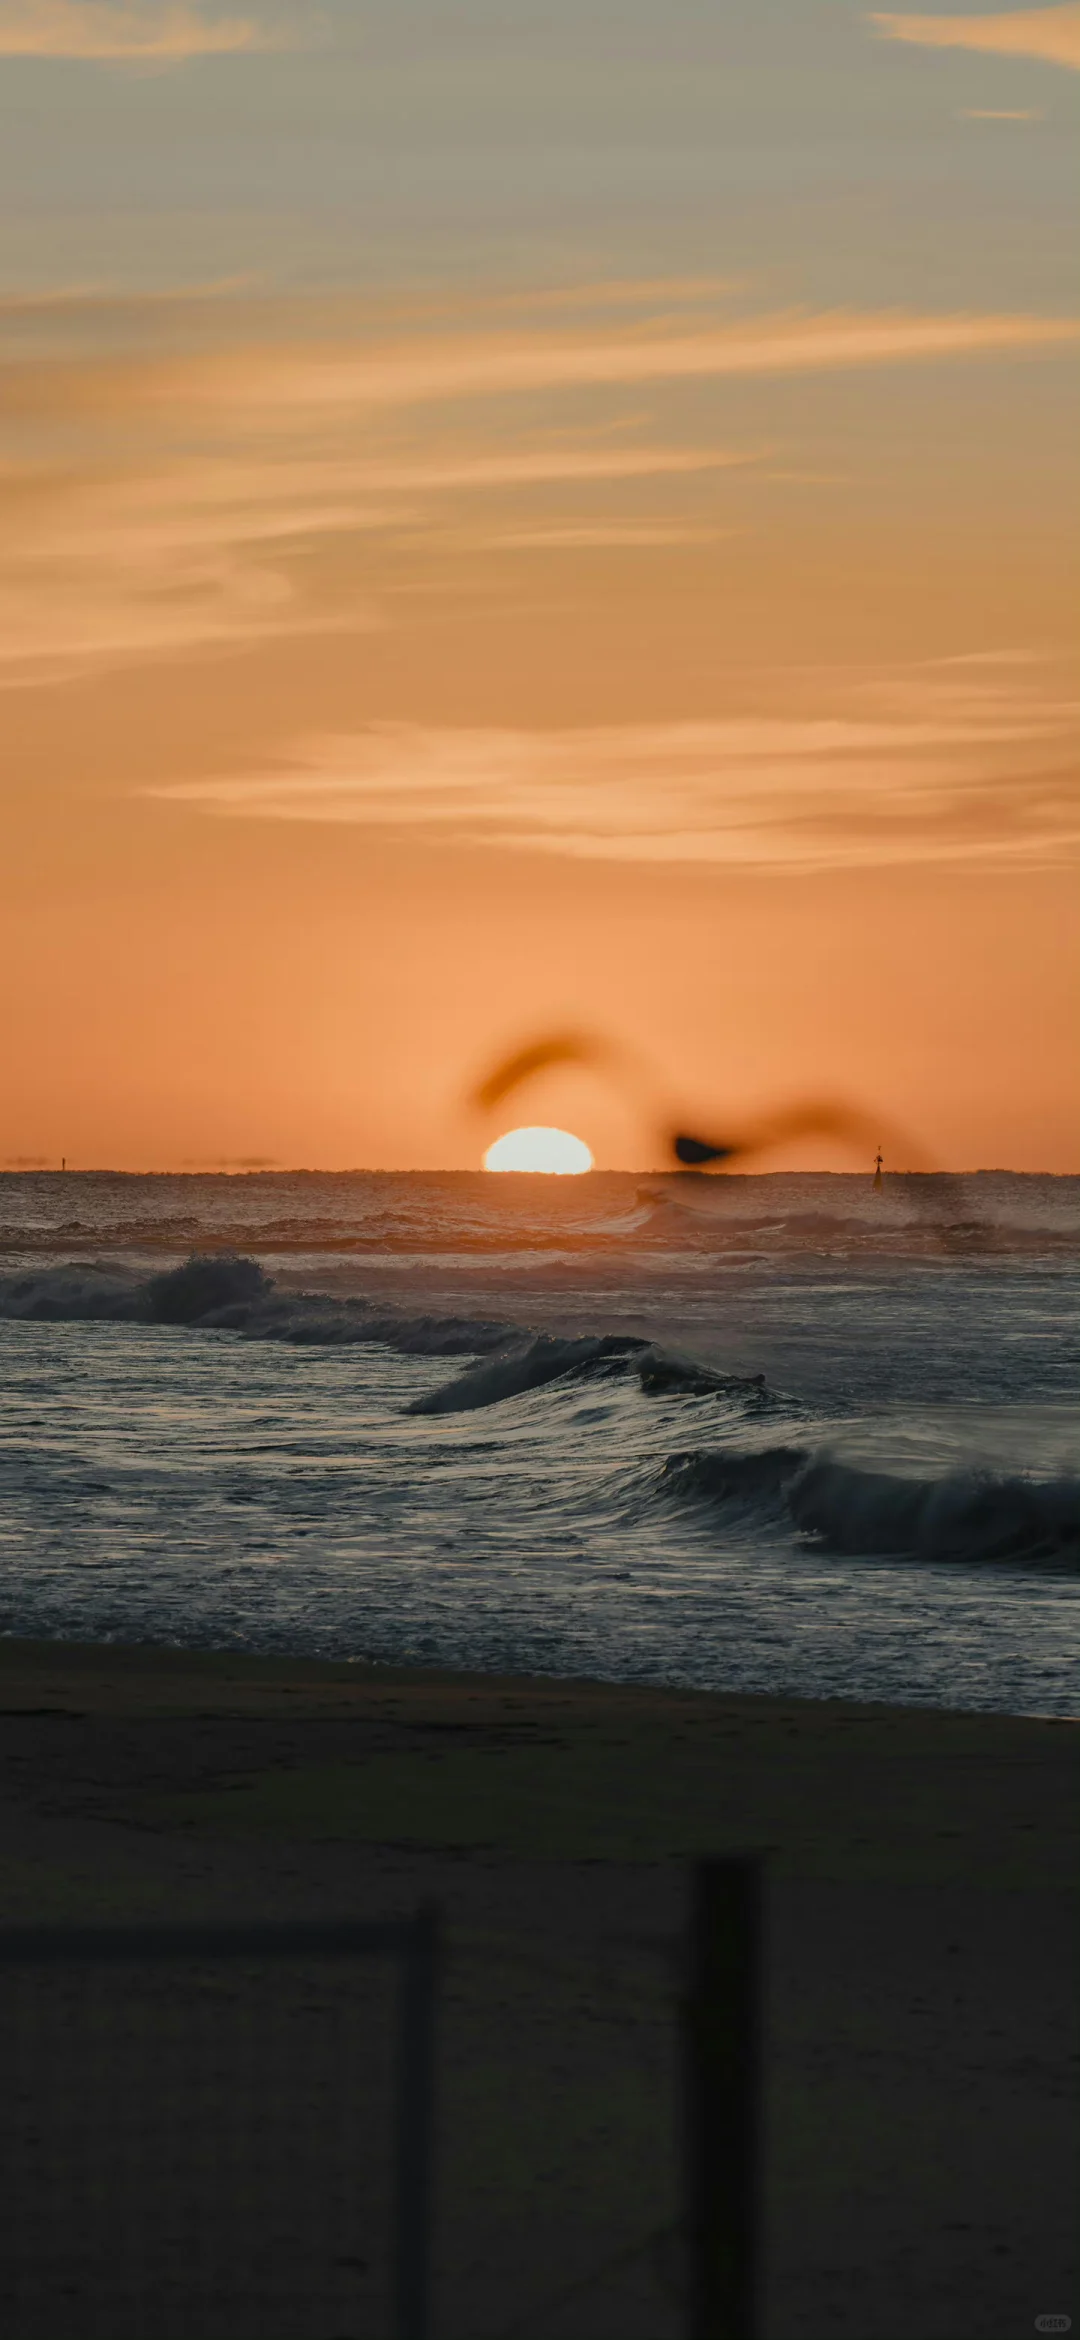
[922,2134]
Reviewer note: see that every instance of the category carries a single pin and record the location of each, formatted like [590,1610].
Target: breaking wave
[76,1293]
[529,1363]
[962,1516]
[970,1516]
[226,1293]
[537,1358]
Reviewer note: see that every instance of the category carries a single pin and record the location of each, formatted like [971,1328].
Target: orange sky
[488,548]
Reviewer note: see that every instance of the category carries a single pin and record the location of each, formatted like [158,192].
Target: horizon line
[64,1169]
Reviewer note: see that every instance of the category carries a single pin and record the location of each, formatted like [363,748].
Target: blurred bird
[810,1117]
[557,1048]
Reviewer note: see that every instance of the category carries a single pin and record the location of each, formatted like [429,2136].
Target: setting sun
[553,1150]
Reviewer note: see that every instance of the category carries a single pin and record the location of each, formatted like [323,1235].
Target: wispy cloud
[611,292]
[1050,34]
[983,783]
[213,550]
[278,385]
[272,383]
[605,535]
[173,473]
[151,31]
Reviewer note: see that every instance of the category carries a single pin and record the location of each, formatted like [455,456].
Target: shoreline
[128,1659]
[881,1788]
[21,1652]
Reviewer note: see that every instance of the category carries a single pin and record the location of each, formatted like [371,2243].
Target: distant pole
[416,2126]
[722,2099]
[877,1171]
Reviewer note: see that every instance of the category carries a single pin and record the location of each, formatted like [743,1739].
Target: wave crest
[966,1516]
[79,1292]
[224,1292]
[529,1364]
[538,1358]
[197,1292]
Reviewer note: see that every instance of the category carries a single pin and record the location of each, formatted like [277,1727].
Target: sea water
[778,1434]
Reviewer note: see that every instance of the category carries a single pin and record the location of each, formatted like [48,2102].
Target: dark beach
[921,2039]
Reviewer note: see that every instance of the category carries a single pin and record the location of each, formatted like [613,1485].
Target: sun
[551,1150]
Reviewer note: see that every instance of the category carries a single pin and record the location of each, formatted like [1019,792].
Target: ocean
[779,1435]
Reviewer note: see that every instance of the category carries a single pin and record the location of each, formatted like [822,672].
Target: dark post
[722,2094]
[416,2125]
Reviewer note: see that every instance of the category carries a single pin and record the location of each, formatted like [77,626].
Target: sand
[921,2158]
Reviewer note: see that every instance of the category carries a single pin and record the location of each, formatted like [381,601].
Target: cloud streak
[604,535]
[175,556]
[1050,34]
[99,32]
[177,501]
[984,785]
[276,386]
[272,384]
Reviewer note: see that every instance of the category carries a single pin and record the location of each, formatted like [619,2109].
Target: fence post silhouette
[416,2124]
[722,2099]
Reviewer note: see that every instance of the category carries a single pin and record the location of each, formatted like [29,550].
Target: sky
[517,514]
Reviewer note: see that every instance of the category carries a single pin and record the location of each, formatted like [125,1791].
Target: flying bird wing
[557,1048]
